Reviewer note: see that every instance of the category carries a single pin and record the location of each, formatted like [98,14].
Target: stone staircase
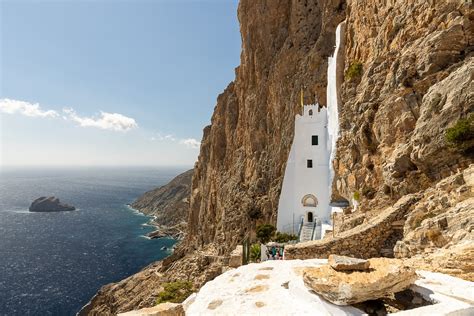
[308,230]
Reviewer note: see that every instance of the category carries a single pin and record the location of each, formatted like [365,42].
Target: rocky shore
[169,207]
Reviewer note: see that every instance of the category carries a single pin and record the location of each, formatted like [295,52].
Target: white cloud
[162,137]
[107,121]
[25,108]
[190,142]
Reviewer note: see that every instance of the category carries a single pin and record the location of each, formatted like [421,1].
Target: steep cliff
[169,204]
[408,71]
[237,180]
[409,77]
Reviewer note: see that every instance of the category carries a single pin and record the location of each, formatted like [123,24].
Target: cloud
[190,142]
[162,137]
[25,108]
[106,121]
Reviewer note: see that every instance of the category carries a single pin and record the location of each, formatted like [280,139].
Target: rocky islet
[49,204]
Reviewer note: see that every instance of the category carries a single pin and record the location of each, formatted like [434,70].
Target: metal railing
[300,228]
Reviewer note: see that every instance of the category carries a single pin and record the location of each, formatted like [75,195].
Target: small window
[314,140]
[309,163]
[310,112]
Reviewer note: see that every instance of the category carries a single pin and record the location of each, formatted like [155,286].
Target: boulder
[163,309]
[49,204]
[344,263]
[235,260]
[385,277]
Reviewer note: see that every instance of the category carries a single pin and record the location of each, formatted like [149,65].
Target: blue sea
[53,263]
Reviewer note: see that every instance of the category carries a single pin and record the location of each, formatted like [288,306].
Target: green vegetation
[254,213]
[175,292]
[284,237]
[265,232]
[461,135]
[354,70]
[255,252]
[356,196]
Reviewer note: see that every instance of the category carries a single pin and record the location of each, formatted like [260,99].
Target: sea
[53,263]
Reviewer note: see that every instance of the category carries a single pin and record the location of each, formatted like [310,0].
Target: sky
[112,83]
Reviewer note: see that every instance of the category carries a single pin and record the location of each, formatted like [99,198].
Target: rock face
[49,204]
[137,291]
[344,263]
[438,234]
[169,204]
[285,45]
[386,276]
[415,81]
[411,79]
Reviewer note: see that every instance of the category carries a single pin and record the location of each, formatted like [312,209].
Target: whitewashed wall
[300,180]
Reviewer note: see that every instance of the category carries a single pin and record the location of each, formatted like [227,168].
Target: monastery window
[309,163]
[314,140]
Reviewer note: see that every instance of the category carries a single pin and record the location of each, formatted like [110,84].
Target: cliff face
[169,204]
[237,180]
[415,80]
[409,71]
[407,76]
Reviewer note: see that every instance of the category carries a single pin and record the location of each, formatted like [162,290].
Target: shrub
[265,232]
[175,292]
[284,237]
[255,252]
[254,213]
[356,196]
[354,70]
[461,134]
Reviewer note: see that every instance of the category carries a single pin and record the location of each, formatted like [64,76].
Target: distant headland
[49,204]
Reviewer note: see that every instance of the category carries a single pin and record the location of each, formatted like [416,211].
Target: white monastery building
[304,200]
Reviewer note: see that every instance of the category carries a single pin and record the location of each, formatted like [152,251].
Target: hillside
[168,204]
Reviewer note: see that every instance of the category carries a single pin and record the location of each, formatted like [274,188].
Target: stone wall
[365,241]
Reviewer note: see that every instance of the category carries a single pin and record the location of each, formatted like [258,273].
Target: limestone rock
[344,263]
[49,204]
[236,257]
[386,276]
[438,233]
[163,309]
[135,292]
[416,82]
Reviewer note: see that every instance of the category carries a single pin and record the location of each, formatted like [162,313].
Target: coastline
[160,231]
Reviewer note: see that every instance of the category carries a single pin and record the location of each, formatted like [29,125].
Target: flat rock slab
[163,309]
[343,263]
[385,277]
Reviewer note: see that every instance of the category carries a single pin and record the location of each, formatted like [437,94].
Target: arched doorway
[310,217]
